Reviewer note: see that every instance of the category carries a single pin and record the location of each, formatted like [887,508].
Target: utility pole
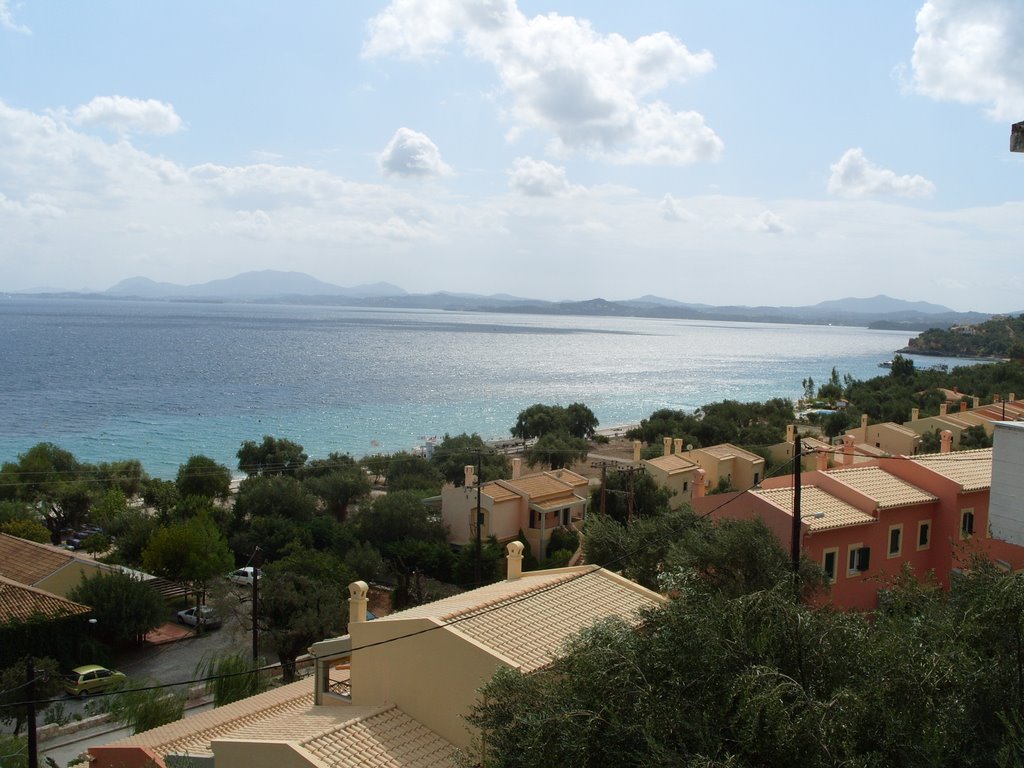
[797,460]
[477,571]
[30,679]
[603,466]
[255,560]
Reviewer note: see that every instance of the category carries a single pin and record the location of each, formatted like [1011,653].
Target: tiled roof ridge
[42,592]
[465,613]
[49,548]
[358,717]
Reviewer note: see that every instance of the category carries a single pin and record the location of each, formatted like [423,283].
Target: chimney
[636,451]
[864,424]
[668,446]
[963,406]
[975,401]
[915,414]
[947,440]
[517,468]
[822,457]
[514,560]
[677,445]
[698,484]
[357,591]
[791,433]
[996,397]
[470,475]
[848,441]
[943,409]
[1012,397]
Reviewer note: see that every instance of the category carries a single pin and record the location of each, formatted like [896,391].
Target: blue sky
[721,152]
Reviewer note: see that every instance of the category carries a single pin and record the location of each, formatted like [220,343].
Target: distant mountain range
[272,286]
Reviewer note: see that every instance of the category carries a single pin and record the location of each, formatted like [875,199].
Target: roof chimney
[996,397]
[915,414]
[698,483]
[514,560]
[963,406]
[357,591]
[636,450]
[677,445]
[848,441]
[1012,397]
[822,457]
[470,475]
[864,423]
[943,409]
[791,433]
[668,446]
[975,401]
[517,468]
[947,440]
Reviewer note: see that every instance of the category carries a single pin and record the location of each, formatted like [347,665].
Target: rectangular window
[924,534]
[757,478]
[966,523]
[686,485]
[895,540]
[828,563]
[860,560]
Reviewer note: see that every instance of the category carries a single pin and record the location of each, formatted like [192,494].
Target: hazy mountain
[881,305]
[250,285]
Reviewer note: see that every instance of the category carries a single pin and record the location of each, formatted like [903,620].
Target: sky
[778,152]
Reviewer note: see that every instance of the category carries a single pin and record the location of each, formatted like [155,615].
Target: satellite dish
[689,446]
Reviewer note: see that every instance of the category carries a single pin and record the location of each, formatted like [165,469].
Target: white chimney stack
[947,440]
[636,451]
[470,475]
[678,445]
[848,441]
[517,468]
[357,600]
[668,446]
[698,483]
[514,559]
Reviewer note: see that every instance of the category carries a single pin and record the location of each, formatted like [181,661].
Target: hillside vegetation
[999,337]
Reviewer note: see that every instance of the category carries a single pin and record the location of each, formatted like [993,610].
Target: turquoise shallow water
[160,381]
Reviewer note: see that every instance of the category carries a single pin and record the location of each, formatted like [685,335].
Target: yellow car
[91,678]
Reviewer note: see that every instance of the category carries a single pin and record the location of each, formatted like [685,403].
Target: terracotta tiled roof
[192,735]
[498,492]
[887,491]
[819,509]
[672,464]
[971,469]
[730,451]
[538,487]
[383,738]
[814,444]
[29,562]
[866,449]
[899,429]
[528,620]
[21,602]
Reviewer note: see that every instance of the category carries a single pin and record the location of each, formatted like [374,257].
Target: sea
[162,381]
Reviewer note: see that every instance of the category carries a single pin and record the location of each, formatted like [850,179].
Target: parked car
[91,678]
[244,576]
[204,615]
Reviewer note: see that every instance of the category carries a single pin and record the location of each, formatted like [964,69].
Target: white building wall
[1006,503]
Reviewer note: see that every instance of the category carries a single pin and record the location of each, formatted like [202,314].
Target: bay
[161,381]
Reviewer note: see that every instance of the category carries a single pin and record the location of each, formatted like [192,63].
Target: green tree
[376,464]
[303,598]
[51,479]
[407,472]
[337,481]
[12,688]
[580,421]
[161,495]
[274,456]
[125,608]
[141,707]
[26,529]
[453,454]
[230,677]
[629,494]
[190,553]
[278,495]
[202,476]
[902,367]
[557,450]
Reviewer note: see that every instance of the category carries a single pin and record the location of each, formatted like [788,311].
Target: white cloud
[589,91]
[7,20]
[37,205]
[972,52]
[770,224]
[129,116]
[854,176]
[671,210]
[538,178]
[411,153]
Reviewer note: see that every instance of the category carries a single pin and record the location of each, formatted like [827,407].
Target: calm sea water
[162,381]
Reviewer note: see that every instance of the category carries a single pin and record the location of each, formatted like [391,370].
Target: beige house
[44,566]
[394,691]
[944,421]
[817,454]
[888,437]
[534,504]
[675,473]
[741,469]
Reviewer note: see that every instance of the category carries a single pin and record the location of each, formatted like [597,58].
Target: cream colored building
[741,469]
[44,566]
[393,692]
[888,437]
[817,454]
[675,473]
[535,504]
